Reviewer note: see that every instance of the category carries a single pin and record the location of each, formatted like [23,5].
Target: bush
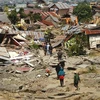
[34,46]
[76,50]
[76,45]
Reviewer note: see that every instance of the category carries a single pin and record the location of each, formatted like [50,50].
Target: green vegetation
[22,14]
[16,16]
[76,46]
[83,12]
[34,46]
[13,17]
[6,9]
[34,17]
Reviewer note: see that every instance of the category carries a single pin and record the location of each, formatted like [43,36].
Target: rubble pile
[23,69]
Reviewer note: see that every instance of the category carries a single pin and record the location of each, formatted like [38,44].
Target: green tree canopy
[76,46]
[13,16]
[22,14]
[34,17]
[6,8]
[37,17]
[83,12]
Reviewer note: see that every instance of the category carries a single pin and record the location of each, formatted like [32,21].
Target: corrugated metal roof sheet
[46,14]
[58,40]
[37,35]
[74,30]
[60,5]
[92,32]
[65,28]
[48,23]
[50,5]
[55,19]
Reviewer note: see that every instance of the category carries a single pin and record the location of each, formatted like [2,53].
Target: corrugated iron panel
[50,5]
[61,5]
[92,31]
[37,35]
[55,19]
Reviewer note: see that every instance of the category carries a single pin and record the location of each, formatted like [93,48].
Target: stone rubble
[35,85]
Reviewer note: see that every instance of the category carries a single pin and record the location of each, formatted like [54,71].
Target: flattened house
[50,17]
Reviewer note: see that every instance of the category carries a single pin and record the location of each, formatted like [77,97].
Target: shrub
[76,50]
[34,46]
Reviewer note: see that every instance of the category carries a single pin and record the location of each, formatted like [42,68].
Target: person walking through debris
[45,48]
[62,63]
[58,67]
[46,36]
[76,79]
[59,54]
[61,76]
[50,49]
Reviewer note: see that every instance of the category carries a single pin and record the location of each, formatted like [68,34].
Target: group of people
[60,71]
[47,49]
[60,67]
[61,74]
